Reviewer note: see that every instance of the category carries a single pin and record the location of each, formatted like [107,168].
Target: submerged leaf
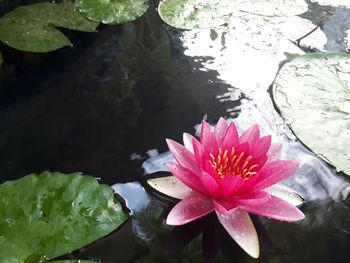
[51,214]
[112,12]
[32,27]
[313,95]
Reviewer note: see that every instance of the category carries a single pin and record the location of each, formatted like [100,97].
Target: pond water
[106,105]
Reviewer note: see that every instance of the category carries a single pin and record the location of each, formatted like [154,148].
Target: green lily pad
[273,7]
[112,12]
[190,14]
[32,28]
[48,215]
[313,95]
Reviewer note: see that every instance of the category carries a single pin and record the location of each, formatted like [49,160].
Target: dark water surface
[107,104]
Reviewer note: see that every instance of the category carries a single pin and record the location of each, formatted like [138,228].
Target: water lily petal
[188,178]
[183,156]
[241,229]
[274,172]
[189,209]
[230,184]
[260,162]
[170,186]
[225,207]
[220,130]
[231,138]
[255,198]
[285,193]
[261,147]
[208,139]
[274,151]
[251,135]
[275,208]
[187,139]
[210,184]
[199,153]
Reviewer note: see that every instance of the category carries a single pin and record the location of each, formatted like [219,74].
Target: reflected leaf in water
[112,12]
[312,93]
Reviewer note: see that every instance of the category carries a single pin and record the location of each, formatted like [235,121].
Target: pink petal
[187,139]
[261,147]
[198,152]
[241,229]
[260,162]
[188,178]
[225,207]
[275,208]
[220,130]
[274,172]
[254,198]
[208,139]
[274,151]
[251,135]
[210,184]
[231,138]
[189,209]
[230,184]
[183,156]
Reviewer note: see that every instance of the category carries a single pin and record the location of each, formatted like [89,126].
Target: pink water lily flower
[231,174]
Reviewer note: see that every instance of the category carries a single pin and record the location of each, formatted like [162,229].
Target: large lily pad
[112,12]
[189,14]
[273,7]
[33,27]
[51,214]
[313,95]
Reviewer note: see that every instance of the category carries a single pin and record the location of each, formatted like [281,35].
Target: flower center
[230,163]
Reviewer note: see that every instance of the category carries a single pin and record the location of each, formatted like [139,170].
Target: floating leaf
[112,12]
[273,7]
[189,14]
[32,27]
[51,214]
[313,95]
